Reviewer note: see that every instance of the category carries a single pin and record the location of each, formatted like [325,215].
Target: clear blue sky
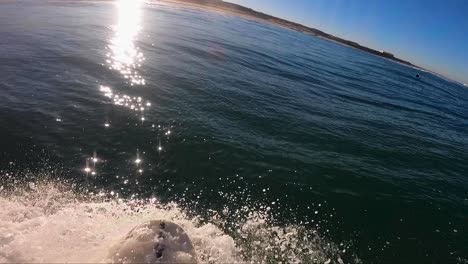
[429,33]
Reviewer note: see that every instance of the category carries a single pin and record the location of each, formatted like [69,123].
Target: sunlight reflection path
[124,56]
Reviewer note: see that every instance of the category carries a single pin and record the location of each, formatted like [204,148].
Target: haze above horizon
[432,34]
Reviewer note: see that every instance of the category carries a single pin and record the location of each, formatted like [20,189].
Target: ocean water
[263,143]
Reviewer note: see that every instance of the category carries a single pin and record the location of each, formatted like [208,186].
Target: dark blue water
[215,111]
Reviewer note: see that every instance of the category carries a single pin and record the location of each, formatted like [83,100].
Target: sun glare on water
[124,56]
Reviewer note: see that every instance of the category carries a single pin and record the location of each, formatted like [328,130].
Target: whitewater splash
[50,223]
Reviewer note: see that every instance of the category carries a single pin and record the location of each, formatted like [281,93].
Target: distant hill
[245,11]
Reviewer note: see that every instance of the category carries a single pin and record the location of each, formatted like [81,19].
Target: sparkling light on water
[124,56]
[133,103]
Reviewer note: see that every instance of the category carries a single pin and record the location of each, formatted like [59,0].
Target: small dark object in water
[417,75]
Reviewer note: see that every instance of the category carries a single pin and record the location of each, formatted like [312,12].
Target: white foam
[50,223]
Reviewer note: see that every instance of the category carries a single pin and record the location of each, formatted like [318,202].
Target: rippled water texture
[227,118]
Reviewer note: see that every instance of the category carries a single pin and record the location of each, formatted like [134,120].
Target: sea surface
[265,144]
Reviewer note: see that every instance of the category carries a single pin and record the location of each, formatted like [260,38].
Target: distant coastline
[227,7]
